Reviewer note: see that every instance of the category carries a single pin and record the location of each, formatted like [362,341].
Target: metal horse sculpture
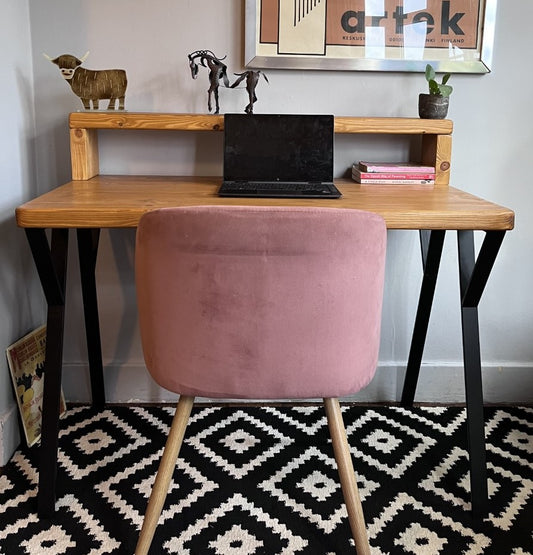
[252,78]
[218,71]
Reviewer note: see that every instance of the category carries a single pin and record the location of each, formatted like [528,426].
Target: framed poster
[371,35]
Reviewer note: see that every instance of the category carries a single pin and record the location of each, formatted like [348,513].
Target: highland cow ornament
[92,85]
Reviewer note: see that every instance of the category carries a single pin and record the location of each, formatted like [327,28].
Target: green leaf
[434,87]
[437,89]
[445,90]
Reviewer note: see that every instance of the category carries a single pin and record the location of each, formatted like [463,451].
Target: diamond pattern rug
[263,480]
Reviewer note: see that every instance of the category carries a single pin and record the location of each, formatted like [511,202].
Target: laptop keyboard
[277,188]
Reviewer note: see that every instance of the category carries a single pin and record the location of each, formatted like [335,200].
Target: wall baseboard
[441,384]
[438,383]
[9,434]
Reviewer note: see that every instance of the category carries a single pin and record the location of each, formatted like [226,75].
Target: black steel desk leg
[473,277]
[51,262]
[431,243]
[87,251]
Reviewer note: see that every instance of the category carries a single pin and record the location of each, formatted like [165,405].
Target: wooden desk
[93,202]
[119,201]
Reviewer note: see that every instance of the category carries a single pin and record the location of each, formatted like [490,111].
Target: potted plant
[434,105]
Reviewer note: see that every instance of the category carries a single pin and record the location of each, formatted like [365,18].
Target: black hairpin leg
[473,276]
[431,243]
[51,263]
[87,251]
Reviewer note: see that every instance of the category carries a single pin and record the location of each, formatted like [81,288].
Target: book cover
[385,176]
[402,167]
[396,181]
[393,181]
[26,364]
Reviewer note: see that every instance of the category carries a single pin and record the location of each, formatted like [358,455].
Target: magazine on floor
[26,364]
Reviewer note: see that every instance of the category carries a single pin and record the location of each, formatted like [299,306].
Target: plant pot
[431,106]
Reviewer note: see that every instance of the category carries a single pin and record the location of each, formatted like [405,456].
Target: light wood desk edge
[119,201]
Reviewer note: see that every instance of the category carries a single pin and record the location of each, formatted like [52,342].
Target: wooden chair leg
[164,474]
[347,476]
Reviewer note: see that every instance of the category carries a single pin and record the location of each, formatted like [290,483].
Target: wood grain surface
[119,201]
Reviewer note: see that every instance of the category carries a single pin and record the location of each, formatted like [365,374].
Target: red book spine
[385,167]
[394,181]
[384,176]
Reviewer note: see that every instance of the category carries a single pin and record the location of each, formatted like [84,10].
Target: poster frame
[443,59]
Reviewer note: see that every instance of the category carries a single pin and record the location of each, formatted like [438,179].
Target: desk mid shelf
[435,147]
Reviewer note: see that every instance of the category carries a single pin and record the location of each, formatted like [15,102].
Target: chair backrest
[260,302]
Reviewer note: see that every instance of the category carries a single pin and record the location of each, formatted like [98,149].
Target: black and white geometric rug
[254,480]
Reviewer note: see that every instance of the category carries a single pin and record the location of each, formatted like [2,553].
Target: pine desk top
[119,201]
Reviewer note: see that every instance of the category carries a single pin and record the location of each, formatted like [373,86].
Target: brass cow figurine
[92,85]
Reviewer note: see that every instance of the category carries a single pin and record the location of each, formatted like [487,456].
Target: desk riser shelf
[208,122]
[436,141]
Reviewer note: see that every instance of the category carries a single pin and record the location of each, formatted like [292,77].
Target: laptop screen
[278,147]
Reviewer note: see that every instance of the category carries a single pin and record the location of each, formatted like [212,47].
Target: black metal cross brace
[473,274]
[51,262]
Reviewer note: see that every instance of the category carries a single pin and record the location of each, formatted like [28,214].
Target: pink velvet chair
[260,303]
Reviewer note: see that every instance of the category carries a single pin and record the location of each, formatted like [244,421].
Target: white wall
[150,39]
[21,302]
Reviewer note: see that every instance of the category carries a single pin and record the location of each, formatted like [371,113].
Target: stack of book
[393,172]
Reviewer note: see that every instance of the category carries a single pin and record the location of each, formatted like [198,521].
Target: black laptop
[278,155]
